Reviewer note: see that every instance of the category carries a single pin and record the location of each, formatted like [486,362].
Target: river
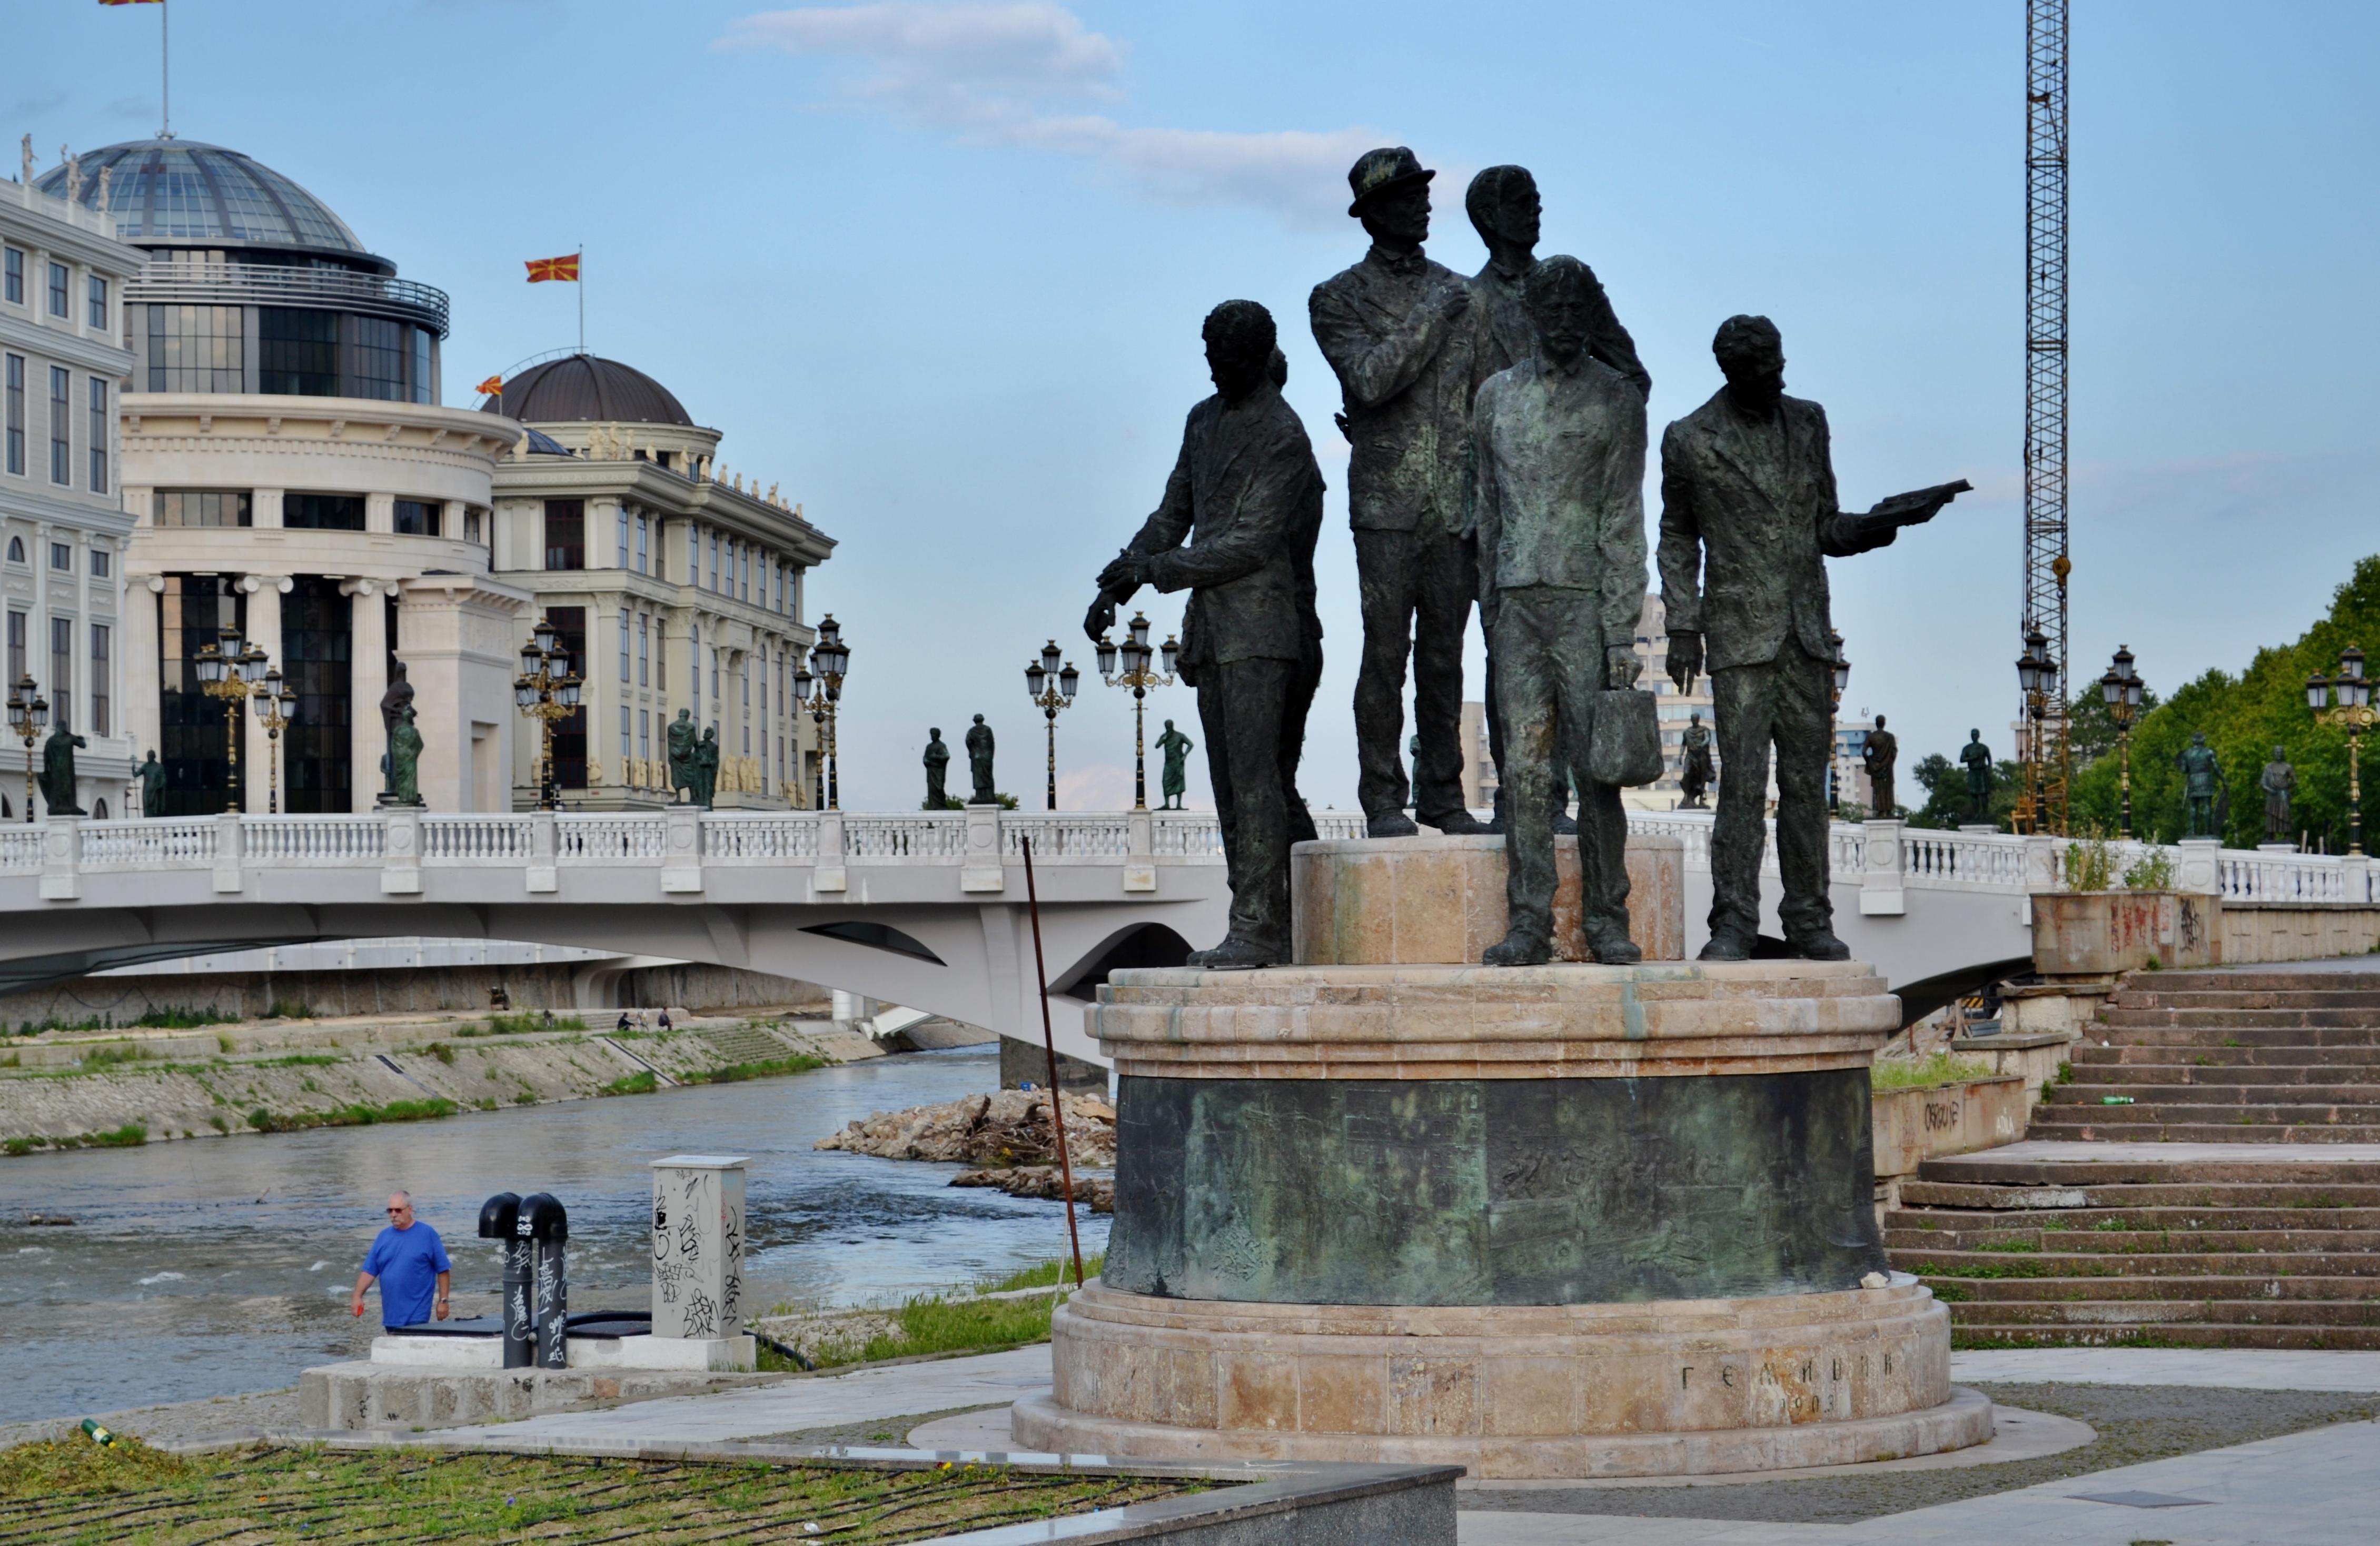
[217,1266]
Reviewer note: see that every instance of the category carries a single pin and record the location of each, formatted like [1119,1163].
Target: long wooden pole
[1049,1045]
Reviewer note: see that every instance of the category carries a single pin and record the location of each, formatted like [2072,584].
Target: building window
[190,612]
[317,650]
[58,290]
[61,406]
[195,349]
[694,662]
[322,512]
[644,677]
[620,533]
[644,733]
[471,524]
[714,674]
[98,303]
[99,563]
[17,414]
[565,534]
[642,528]
[418,517]
[98,435]
[199,507]
[379,358]
[62,670]
[297,352]
[623,650]
[16,550]
[62,558]
[15,275]
[570,746]
[99,674]
[714,562]
[425,366]
[624,752]
[15,647]
[693,554]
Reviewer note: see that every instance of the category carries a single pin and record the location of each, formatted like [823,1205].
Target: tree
[1944,784]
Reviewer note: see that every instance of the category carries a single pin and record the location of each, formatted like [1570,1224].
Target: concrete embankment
[147,1085]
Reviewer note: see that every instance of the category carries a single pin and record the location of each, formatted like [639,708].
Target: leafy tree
[1944,784]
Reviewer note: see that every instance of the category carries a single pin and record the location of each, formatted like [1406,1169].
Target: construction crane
[2043,806]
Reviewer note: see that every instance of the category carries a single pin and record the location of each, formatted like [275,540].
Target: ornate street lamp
[2355,715]
[29,713]
[230,669]
[276,706]
[2037,677]
[821,691]
[548,692]
[1136,675]
[1058,693]
[2120,688]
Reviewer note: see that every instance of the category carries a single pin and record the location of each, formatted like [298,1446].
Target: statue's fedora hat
[1376,172]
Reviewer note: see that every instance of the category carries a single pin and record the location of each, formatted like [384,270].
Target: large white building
[63,529]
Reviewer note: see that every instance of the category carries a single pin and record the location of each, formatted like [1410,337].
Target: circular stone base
[1669,1388]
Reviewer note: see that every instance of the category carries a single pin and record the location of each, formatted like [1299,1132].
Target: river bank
[124,1089]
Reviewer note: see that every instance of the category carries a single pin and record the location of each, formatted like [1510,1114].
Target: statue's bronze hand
[1621,667]
[1686,658]
[1101,618]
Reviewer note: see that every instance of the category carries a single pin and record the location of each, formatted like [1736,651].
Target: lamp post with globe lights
[2354,714]
[230,669]
[548,693]
[28,714]
[821,691]
[1137,674]
[2036,675]
[1052,689]
[276,707]
[2121,688]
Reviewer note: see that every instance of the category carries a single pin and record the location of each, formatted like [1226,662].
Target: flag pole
[164,72]
[582,298]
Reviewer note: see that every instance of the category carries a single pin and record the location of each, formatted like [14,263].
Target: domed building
[678,587]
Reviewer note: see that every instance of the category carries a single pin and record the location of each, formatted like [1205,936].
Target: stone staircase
[2227,1058]
[2181,1235]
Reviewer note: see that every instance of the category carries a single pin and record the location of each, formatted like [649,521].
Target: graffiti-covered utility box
[699,1247]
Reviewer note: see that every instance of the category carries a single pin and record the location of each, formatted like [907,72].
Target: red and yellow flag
[491,386]
[131,1]
[542,268]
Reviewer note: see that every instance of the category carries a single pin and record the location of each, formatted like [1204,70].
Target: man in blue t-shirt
[410,1263]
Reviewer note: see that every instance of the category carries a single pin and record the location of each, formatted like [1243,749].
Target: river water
[218,1266]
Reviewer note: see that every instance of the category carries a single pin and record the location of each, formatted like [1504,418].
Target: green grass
[641,1082]
[265,1121]
[2012,1246]
[735,1073]
[132,1134]
[1045,1275]
[1981,1269]
[527,1022]
[114,1053]
[73,1492]
[1913,1073]
[287,1009]
[298,1060]
[442,1052]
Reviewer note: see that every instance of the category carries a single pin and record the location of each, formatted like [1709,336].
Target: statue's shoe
[1390,823]
[1614,950]
[1457,824]
[1726,947]
[1565,825]
[1233,954]
[1820,947]
[1517,949]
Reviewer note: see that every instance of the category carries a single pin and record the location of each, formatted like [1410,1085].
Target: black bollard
[547,1225]
[500,1220]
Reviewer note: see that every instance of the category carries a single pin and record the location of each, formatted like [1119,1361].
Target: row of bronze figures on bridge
[1497,445]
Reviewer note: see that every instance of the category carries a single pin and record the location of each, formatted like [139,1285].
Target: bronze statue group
[1498,444]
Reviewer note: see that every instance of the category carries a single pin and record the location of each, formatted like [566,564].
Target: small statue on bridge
[151,776]
[1882,751]
[2201,782]
[59,771]
[937,768]
[706,768]
[1978,760]
[403,761]
[1695,773]
[979,751]
[2280,784]
[1175,781]
[393,705]
[682,738]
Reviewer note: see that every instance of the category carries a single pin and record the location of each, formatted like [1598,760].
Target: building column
[459,639]
[368,679]
[264,593]
[141,674]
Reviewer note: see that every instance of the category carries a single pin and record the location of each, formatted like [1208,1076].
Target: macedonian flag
[542,268]
[491,386]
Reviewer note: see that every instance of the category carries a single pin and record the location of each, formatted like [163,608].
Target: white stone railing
[163,843]
[493,839]
[310,840]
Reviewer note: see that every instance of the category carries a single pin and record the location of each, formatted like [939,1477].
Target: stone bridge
[920,909]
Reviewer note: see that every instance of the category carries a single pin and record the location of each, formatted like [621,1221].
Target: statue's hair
[1480,199]
[1741,333]
[1241,328]
[1556,274]
[1279,369]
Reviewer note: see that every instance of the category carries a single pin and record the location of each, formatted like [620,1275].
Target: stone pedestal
[1569,1219]
[1360,901]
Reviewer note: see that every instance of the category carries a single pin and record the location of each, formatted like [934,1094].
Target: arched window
[99,809]
[16,550]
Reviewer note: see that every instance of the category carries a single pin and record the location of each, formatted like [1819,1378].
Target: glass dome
[181,193]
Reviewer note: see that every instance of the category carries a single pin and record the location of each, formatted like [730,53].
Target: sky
[938,270]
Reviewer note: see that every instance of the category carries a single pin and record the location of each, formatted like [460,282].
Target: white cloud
[1017,73]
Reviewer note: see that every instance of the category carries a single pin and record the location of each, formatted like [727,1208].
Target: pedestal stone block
[699,1249]
[1366,901]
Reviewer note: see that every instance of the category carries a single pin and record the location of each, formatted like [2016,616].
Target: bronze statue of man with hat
[1392,328]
